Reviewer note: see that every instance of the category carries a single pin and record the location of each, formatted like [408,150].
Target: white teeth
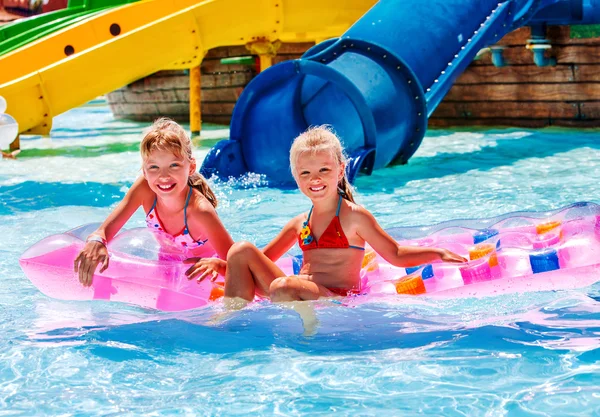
[166,187]
[317,188]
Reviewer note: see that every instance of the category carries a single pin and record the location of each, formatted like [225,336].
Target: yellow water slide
[117,47]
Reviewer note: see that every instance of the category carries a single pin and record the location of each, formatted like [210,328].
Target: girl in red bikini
[332,235]
[170,186]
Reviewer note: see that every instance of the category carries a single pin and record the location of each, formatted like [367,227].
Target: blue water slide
[376,85]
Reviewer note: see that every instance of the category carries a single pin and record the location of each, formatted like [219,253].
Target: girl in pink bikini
[179,205]
[332,235]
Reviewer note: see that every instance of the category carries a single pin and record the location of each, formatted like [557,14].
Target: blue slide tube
[376,85]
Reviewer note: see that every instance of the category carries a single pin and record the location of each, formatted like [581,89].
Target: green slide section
[23,31]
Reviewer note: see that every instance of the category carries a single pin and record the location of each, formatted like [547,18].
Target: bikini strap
[187,200]
[153,206]
[337,213]
[309,213]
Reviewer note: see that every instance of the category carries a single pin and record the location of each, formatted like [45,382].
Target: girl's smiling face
[167,174]
[318,174]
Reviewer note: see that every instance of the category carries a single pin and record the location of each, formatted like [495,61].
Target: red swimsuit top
[332,237]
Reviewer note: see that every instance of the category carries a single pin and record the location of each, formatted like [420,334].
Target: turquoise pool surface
[533,354]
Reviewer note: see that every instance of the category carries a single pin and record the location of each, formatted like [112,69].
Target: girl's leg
[249,272]
[296,288]
[307,314]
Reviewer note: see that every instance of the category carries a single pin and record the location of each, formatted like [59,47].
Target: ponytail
[197,181]
[345,189]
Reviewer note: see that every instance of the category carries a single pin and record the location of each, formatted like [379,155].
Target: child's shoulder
[355,212]
[199,203]
[141,189]
[353,208]
[300,218]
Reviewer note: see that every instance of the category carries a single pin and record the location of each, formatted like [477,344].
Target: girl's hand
[205,267]
[88,259]
[305,272]
[11,155]
[449,256]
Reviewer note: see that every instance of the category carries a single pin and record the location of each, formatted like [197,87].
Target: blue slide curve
[377,84]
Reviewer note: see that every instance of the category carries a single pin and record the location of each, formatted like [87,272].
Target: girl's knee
[282,289]
[241,249]
[279,284]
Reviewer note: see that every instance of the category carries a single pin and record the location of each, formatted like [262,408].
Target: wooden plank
[492,110]
[579,54]
[586,73]
[237,50]
[143,108]
[173,108]
[217,109]
[516,74]
[217,119]
[131,96]
[171,95]
[590,110]
[161,83]
[183,94]
[221,94]
[145,117]
[578,123]
[116,97]
[294,48]
[525,123]
[240,79]
[525,92]
[228,79]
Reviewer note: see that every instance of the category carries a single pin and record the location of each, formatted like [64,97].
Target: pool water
[534,354]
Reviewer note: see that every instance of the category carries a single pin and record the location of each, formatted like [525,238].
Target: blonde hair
[317,139]
[167,135]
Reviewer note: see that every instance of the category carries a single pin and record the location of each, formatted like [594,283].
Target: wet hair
[167,135]
[317,139]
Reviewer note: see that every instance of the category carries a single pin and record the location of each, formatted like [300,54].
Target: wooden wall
[523,94]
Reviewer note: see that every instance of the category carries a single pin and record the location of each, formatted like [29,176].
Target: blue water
[534,354]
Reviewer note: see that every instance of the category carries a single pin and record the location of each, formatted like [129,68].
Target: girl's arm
[203,216]
[285,239]
[95,251]
[388,248]
[125,209]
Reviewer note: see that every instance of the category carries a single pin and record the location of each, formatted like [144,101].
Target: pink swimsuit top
[183,238]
